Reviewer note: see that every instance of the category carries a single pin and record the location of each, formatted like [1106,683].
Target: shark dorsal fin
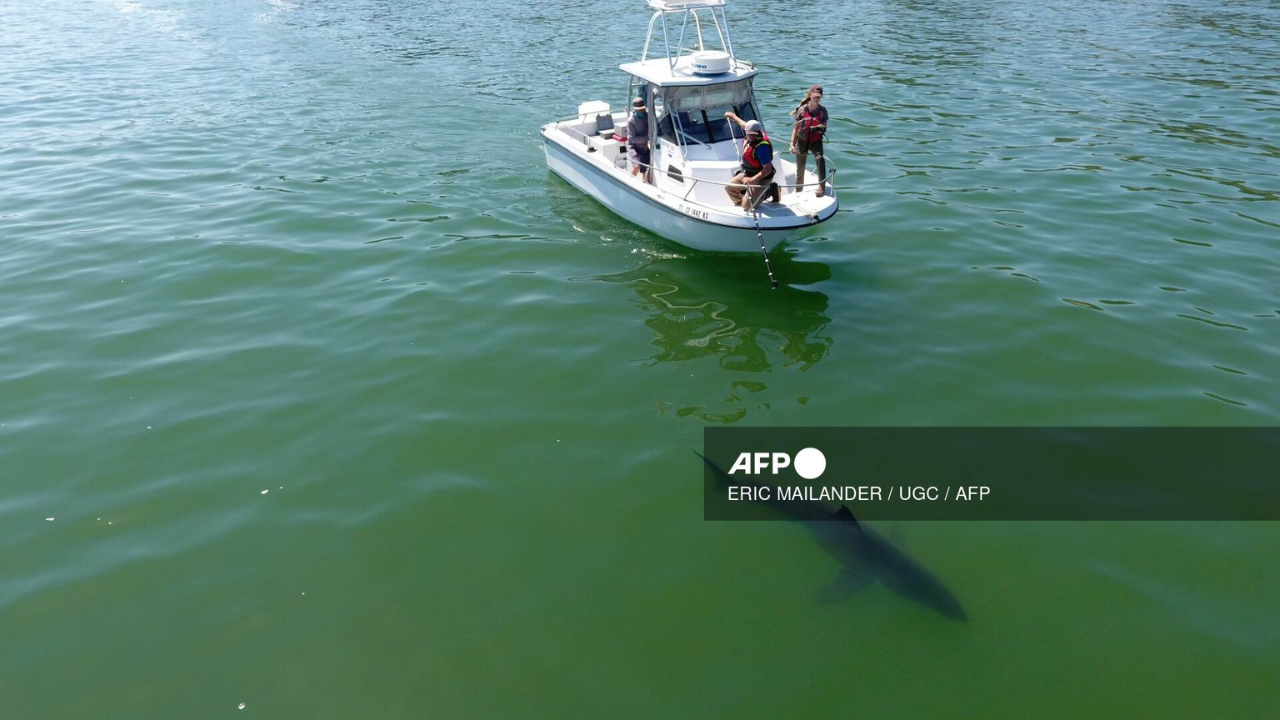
[844,514]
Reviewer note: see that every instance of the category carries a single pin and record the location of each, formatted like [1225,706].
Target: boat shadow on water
[721,306]
[718,306]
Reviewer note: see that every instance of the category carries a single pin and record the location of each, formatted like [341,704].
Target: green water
[311,247]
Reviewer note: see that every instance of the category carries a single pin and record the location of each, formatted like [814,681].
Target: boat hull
[623,196]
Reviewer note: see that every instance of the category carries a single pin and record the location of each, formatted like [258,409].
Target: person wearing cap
[806,137]
[638,139]
[757,166]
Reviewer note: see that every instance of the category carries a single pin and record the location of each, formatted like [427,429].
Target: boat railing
[830,177]
[586,139]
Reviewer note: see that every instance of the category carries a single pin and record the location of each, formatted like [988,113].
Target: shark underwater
[866,558]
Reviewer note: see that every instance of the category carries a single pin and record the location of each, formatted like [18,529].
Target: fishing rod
[755,215]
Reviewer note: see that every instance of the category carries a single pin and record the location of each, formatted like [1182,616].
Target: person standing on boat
[638,154]
[806,137]
[757,166]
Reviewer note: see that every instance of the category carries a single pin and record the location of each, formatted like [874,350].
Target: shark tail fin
[844,514]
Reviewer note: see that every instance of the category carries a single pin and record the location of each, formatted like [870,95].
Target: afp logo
[809,463]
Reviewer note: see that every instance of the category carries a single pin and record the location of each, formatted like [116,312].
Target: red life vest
[809,130]
[749,161]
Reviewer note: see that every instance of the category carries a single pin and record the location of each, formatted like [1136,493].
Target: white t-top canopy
[659,72]
[683,4]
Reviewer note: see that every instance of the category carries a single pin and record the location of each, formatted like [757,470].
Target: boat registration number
[703,214]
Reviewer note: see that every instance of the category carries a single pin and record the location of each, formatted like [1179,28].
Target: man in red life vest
[806,137]
[757,166]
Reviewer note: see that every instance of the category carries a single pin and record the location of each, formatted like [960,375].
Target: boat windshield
[696,114]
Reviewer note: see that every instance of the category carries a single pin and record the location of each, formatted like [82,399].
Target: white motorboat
[695,149]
